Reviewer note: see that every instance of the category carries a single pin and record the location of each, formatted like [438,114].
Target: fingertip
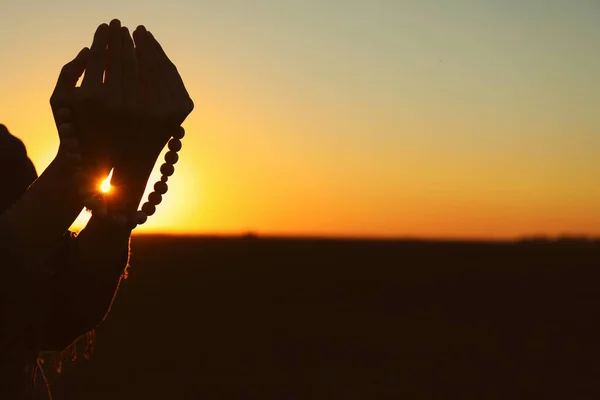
[138,34]
[151,37]
[102,32]
[100,37]
[115,23]
[126,37]
[82,55]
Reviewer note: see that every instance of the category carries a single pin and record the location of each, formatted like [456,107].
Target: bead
[63,113]
[164,178]
[140,217]
[155,198]
[167,169]
[66,130]
[131,224]
[171,157]
[161,187]
[179,133]
[175,144]
[71,143]
[149,208]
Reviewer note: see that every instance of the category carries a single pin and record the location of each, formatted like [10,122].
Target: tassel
[57,361]
[89,348]
[73,349]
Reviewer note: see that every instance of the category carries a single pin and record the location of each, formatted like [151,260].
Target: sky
[396,118]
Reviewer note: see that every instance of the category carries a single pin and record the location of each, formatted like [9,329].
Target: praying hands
[59,285]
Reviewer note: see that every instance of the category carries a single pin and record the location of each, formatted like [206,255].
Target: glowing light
[105,185]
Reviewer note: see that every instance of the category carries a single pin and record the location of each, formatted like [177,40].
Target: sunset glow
[385,118]
[105,185]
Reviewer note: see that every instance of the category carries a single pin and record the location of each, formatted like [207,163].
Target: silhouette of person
[57,285]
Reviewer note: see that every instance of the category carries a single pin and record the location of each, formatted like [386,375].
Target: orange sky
[382,118]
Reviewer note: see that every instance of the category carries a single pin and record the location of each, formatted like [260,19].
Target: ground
[245,318]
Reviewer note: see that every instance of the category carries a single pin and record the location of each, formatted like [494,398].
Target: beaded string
[96,202]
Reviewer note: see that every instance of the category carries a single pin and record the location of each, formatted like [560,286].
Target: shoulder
[13,150]
[17,169]
[13,153]
[10,145]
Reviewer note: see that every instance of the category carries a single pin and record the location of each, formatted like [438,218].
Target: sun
[105,185]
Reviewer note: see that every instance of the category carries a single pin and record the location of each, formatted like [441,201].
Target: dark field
[203,318]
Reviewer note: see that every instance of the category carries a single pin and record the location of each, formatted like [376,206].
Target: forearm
[89,272]
[90,268]
[44,212]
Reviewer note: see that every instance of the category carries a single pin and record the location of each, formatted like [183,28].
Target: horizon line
[406,238]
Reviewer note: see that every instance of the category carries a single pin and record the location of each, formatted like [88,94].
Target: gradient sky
[456,118]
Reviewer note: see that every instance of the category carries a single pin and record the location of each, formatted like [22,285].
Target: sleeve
[22,290]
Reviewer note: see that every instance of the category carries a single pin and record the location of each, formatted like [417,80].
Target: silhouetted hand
[61,100]
[163,99]
[104,107]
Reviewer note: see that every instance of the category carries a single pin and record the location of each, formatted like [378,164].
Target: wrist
[130,176]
